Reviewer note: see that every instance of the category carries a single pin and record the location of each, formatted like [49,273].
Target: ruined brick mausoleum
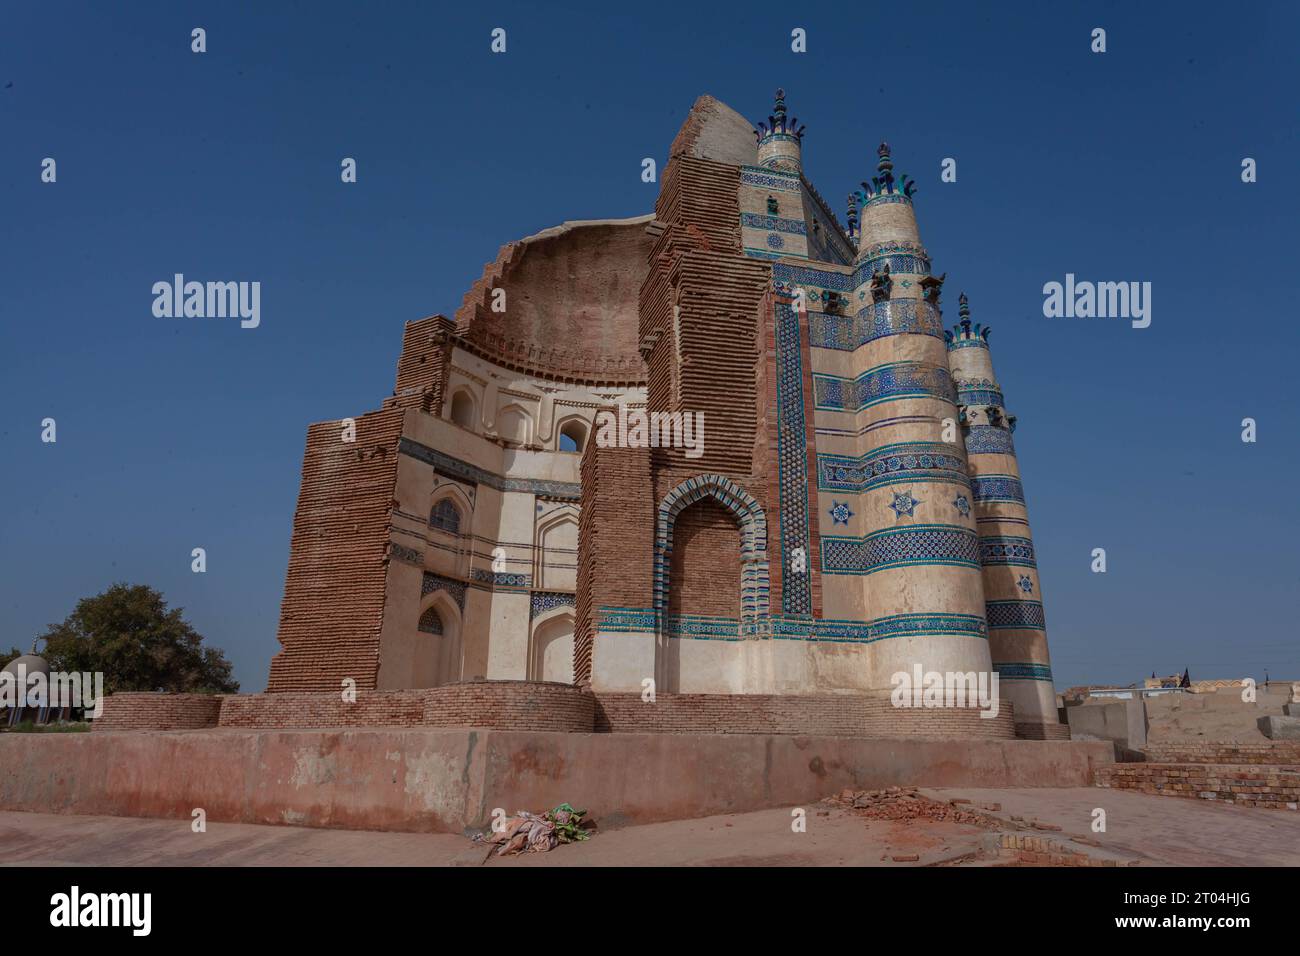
[855,509]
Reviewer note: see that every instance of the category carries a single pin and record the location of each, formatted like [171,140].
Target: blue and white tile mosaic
[931,544]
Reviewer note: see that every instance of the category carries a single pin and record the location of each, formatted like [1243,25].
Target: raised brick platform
[1252,786]
[835,716]
[535,705]
[144,711]
[420,779]
[502,705]
[1224,753]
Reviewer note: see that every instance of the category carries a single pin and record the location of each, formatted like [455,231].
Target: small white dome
[32,662]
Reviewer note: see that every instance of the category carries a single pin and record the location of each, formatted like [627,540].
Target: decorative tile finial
[886,165]
[884,184]
[853,215]
[777,122]
[963,334]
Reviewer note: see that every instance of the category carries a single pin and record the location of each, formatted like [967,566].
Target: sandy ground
[1153,830]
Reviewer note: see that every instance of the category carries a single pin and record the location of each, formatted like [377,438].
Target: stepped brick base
[836,716]
[1251,786]
[540,706]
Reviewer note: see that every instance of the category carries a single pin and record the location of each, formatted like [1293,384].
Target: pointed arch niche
[723,494]
[439,657]
[550,646]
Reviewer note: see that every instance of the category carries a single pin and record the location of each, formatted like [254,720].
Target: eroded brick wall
[834,716]
[699,310]
[503,705]
[1218,752]
[422,366]
[1269,787]
[146,711]
[372,708]
[616,542]
[333,604]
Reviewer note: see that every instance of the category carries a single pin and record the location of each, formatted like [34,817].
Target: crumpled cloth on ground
[535,833]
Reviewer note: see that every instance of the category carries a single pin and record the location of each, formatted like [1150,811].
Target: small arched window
[573,436]
[462,409]
[445,516]
[430,622]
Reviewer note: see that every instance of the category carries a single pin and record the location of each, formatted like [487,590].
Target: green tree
[129,634]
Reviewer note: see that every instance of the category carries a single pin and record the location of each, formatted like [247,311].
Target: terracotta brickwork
[1274,788]
[502,705]
[144,711]
[705,570]
[700,299]
[841,715]
[333,604]
[510,705]
[422,366]
[569,303]
[372,708]
[616,531]
[540,706]
[1230,753]
[1041,851]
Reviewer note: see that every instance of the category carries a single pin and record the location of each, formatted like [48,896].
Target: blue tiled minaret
[1013,595]
[918,551]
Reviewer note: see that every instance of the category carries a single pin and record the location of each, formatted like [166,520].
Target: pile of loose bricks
[541,706]
[1252,775]
[1021,849]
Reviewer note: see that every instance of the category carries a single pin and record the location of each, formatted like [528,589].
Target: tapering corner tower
[780,139]
[906,555]
[1013,597]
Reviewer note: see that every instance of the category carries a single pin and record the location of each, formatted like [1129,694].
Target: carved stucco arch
[754,570]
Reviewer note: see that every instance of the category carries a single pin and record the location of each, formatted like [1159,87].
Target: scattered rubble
[907,803]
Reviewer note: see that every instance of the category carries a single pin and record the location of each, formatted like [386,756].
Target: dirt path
[1151,829]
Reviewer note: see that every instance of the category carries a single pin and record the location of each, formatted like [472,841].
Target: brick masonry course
[534,705]
[1215,752]
[1253,786]
[144,711]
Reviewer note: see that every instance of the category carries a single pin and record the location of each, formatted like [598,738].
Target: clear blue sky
[175,434]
